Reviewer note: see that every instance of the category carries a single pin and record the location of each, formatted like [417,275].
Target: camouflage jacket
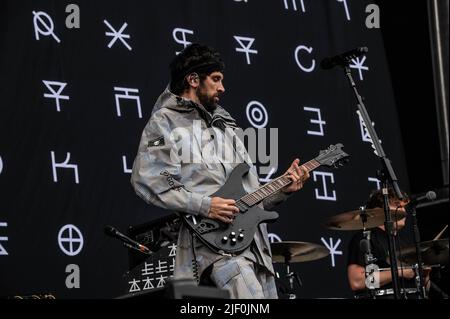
[160,177]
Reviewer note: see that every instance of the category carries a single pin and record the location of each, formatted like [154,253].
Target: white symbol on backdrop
[162,267]
[127,96]
[173,250]
[126,170]
[325,195]
[161,281]
[148,269]
[245,49]
[375,180]
[359,65]
[1,165]
[364,133]
[347,14]
[309,50]
[3,251]
[117,35]
[273,238]
[183,39]
[318,121]
[294,5]
[256,114]
[148,283]
[63,165]
[332,248]
[49,27]
[268,177]
[56,95]
[134,285]
[70,235]
[240,0]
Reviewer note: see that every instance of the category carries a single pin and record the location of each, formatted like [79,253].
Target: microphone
[343,59]
[429,196]
[111,231]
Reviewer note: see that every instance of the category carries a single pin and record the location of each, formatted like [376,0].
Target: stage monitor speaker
[180,289]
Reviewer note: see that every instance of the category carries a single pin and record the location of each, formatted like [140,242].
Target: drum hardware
[288,252]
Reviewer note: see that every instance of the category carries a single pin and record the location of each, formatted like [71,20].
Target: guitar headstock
[333,156]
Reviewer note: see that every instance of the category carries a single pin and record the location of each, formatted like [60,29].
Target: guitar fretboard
[274,186]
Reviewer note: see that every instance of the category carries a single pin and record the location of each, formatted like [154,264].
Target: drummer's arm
[357,277]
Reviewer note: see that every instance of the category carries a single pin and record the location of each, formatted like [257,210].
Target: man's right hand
[222,209]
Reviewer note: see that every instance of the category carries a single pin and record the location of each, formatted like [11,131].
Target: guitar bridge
[206,226]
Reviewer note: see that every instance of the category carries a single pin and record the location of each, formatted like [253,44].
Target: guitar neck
[274,186]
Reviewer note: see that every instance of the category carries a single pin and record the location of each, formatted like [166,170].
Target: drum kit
[434,252]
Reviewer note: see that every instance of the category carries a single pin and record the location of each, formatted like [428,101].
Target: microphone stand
[422,289]
[386,175]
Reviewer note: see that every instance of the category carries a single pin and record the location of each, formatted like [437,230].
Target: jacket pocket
[226,273]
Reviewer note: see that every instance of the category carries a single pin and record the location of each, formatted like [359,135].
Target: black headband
[202,68]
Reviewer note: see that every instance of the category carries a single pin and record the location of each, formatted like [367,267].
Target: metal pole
[438,24]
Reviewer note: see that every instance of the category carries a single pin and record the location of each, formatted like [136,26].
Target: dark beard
[208,103]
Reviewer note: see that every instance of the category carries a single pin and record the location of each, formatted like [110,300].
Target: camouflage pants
[243,279]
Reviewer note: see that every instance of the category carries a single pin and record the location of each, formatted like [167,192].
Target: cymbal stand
[419,271]
[291,275]
[369,267]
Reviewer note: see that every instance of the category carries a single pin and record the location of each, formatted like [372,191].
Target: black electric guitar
[235,237]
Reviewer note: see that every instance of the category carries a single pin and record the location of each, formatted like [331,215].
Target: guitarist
[162,178]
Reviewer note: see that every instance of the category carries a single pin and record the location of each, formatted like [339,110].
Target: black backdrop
[40,207]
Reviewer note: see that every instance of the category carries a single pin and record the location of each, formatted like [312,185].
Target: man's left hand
[298,175]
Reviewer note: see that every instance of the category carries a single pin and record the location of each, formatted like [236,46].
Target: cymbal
[353,221]
[297,251]
[433,252]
